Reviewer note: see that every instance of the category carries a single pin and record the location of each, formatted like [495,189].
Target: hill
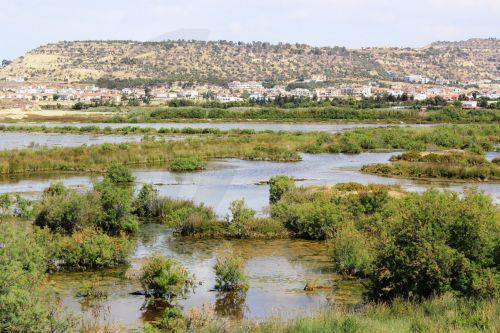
[222,61]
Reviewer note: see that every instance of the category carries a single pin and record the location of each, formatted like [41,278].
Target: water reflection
[231,304]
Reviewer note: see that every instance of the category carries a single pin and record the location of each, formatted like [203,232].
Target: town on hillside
[415,88]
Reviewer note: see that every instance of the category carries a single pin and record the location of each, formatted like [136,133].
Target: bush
[436,243]
[118,173]
[145,204]
[240,215]
[116,205]
[187,163]
[229,272]
[317,218]
[351,251]
[108,207]
[278,185]
[26,302]
[67,211]
[85,249]
[163,277]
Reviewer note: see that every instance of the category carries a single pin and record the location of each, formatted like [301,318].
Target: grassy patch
[448,165]
[265,146]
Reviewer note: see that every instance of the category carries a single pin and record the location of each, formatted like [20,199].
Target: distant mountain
[184,34]
[222,61]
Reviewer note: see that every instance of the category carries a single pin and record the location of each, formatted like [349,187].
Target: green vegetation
[307,113]
[186,163]
[107,207]
[87,230]
[83,250]
[163,277]
[242,223]
[27,304]
[448,165]
[269,146]
[436,243]
[441,314]
[278,185]
[230,272]
[171,212]
[409,245]
[351,251]
[117,173]
[123,130]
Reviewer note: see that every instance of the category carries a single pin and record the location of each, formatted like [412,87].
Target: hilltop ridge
[223,61]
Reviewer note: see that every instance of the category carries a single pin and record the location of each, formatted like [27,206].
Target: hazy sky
[26,24]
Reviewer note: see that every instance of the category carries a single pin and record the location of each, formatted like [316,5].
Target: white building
[328,92]
[469,104]
[250,86]
[228,99]
[301,92]
[420,97]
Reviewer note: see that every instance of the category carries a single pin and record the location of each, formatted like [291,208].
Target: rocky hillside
[220,62]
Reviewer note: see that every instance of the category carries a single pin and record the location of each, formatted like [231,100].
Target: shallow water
[257,126]
[13,140]
[228,180]
[277,270]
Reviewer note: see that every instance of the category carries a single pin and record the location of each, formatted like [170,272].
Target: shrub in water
[165,278]
[278,185]
[118,173]
[187,163]
[229,272]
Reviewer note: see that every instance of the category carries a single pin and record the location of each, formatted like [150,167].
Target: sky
[27,24]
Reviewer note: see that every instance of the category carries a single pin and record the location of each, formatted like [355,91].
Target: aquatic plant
[186,163]
[163,277]
[439,314]
[267,146]
[278,185]
[85,249]
[118,174]
[229,272]
[27,303]
[448,165]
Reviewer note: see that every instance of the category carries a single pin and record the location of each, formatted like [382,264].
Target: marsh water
[278,270]
[18,140]
[226,180]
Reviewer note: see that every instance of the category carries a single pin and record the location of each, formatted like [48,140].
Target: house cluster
[238,91]
[449,93]
[85,94]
